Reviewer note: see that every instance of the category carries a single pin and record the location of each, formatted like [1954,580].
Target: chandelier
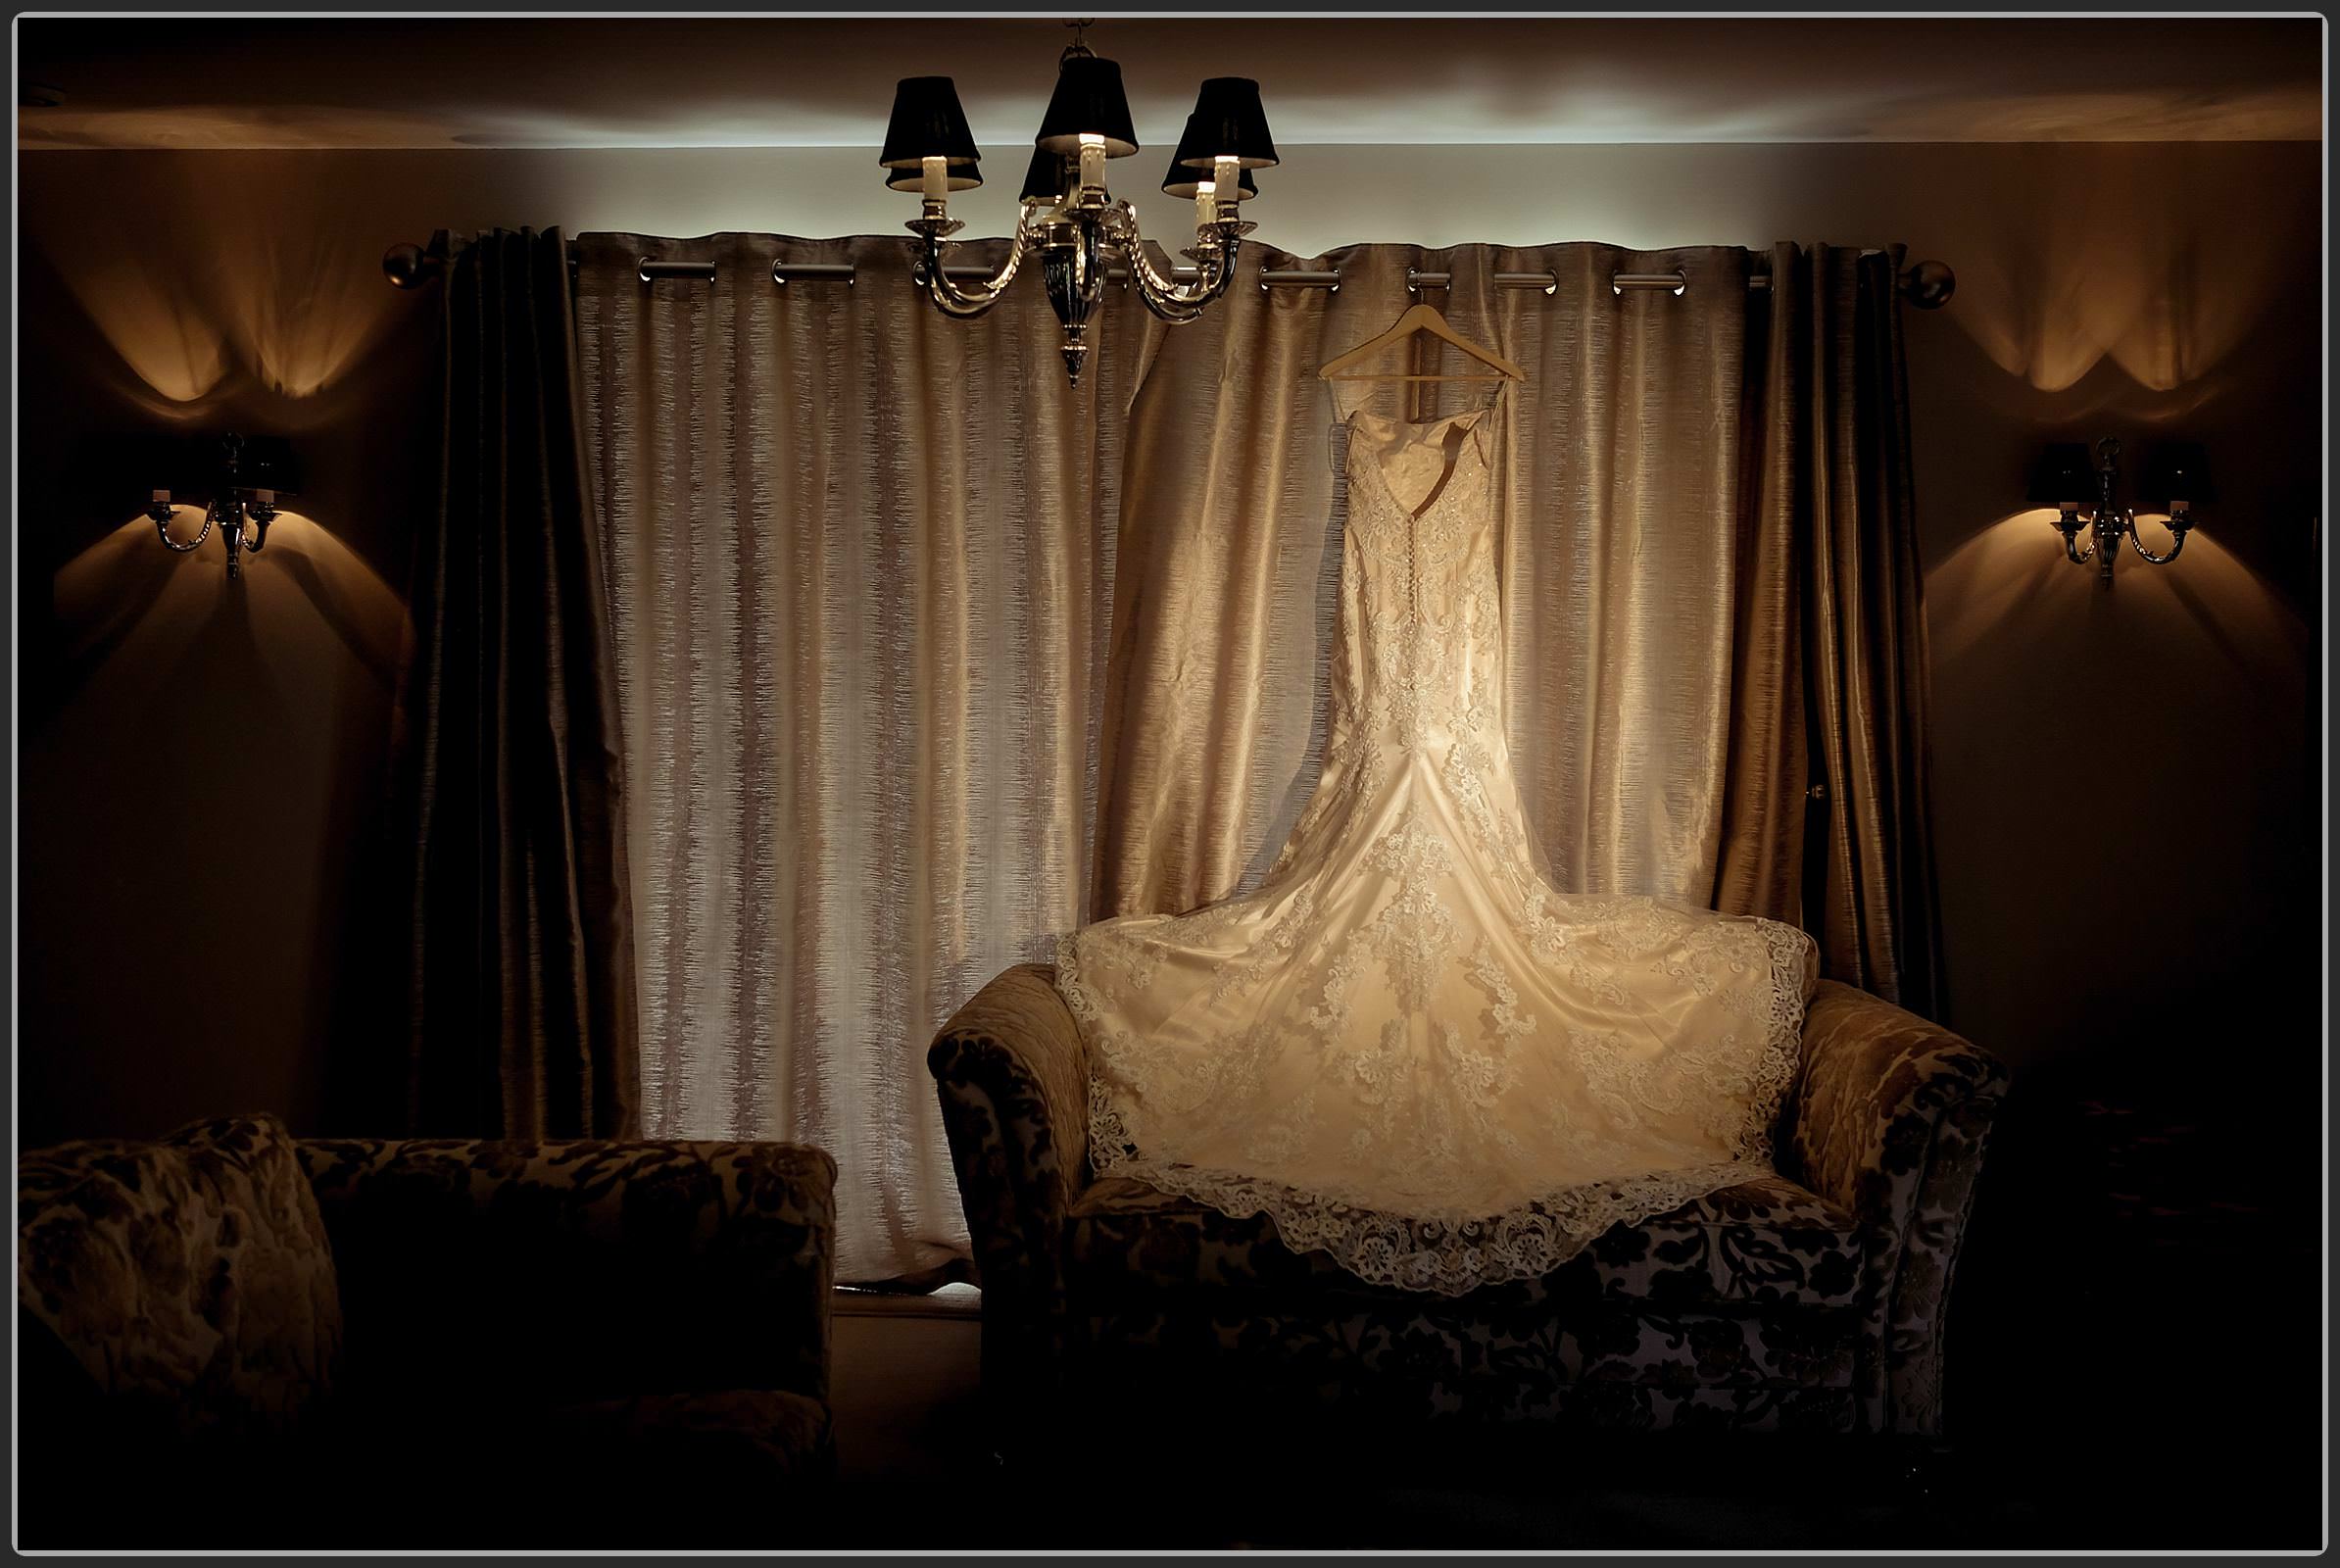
[1067,218]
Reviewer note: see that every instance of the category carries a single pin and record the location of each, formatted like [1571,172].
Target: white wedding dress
[1407,1047]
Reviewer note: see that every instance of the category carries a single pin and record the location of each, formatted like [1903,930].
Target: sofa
[1810,1300]
[232,1339]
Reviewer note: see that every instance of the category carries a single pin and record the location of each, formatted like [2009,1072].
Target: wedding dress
[1407,1047]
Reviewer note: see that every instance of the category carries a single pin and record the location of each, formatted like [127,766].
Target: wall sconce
[2176,476]
[242,478]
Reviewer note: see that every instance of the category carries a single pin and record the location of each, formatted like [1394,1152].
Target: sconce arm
[2073,551]
[162,521]
[2178,533]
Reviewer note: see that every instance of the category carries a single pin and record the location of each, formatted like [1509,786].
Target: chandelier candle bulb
[1225,176]
[160,498]
[935,181]
[1206,205]
[1093,163]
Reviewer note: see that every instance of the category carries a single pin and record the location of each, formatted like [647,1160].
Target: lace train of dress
[1405,1047]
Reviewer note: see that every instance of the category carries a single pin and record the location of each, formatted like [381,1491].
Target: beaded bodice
[1421,644]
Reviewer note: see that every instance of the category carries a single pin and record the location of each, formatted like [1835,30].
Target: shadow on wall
[190,807]
[2138,261]
[251,275]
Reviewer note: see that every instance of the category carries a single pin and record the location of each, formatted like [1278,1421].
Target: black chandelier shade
[1228,121]
[1189,166]
[2178,471]
[2064,477]
[1046,179]
[927,123]
[1087,102]
[960,177]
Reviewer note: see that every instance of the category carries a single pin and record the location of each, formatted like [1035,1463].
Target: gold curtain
[511,788]
[1649,598]
[1837,414]
[859,563]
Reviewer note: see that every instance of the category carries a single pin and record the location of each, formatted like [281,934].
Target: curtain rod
[1926,285]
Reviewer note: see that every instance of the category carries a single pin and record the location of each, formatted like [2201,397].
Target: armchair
[1809,1300]
[420,1343]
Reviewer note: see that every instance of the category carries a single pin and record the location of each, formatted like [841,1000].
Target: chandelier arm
[2176,542]
[1176,314]
[966,303]
[1159,291]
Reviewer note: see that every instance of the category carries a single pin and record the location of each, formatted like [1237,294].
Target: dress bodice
[1421,624]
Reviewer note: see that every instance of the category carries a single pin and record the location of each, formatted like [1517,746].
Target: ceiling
[815,83]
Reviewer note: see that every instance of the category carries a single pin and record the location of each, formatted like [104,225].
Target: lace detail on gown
[1407,1047]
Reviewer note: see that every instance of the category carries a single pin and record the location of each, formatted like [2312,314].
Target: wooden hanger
[1420,318]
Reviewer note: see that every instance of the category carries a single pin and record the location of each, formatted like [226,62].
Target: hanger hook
[1079,47]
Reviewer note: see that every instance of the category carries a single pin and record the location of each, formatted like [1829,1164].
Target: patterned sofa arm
[584,1271]
[1013,1080]
[1889,1119]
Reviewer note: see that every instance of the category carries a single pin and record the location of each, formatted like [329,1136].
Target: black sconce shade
[1087,102]
[1229,120]
[2177,471]
[267,462]
[2064,476]
[960,177]
[927,123]
[1046,181]
[201,464]
[1189,164]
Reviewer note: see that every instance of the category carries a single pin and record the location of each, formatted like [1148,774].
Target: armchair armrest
[1889,1119]
[1013,1079]
[569,1272]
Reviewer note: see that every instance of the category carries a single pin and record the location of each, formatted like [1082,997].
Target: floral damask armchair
[1809,1300]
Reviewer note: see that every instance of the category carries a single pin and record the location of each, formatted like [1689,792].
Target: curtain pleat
[860,565]
[1871,889]
[521,975]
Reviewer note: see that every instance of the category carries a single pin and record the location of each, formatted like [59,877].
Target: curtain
[522,1015]
[860,558]
[1839,419]
[926,657]
[1648,592]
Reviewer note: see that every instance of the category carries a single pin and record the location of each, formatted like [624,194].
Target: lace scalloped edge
[1446,1255]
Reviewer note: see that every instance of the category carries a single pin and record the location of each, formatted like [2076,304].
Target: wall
[2124,781]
